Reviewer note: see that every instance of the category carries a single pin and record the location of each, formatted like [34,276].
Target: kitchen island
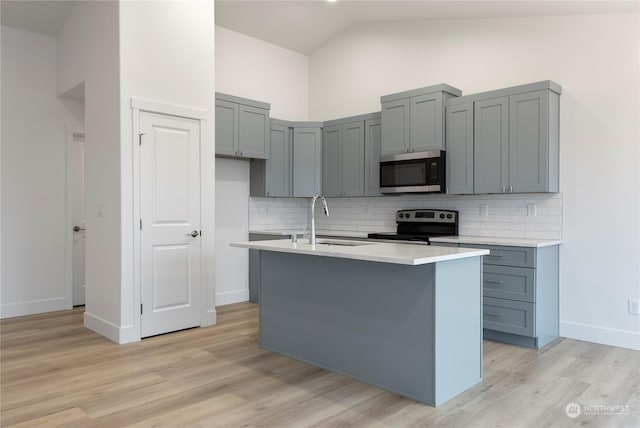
[406,318]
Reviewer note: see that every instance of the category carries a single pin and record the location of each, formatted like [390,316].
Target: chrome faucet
[312,237]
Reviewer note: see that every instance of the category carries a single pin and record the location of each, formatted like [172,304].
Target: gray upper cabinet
[396,137]
[242,127]
[352,159]
[459,138]
[307,161]
[331,160]
[413,121]
[427,122]
[272,176]
[294,164]
[515,140]
[278,166]
[351,156]
[226,128]
[372,146]
[491,145]
[343,160]
[530,141]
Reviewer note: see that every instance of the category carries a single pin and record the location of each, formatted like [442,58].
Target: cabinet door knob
[510,189]
[240,153]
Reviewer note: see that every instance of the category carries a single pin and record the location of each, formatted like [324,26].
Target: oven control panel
[427,216]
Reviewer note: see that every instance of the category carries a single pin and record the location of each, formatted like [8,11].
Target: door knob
[78,228]
[195,234]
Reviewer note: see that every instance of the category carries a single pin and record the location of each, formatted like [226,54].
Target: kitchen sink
[341,243]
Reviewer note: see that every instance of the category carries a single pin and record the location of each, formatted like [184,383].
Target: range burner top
[419,225]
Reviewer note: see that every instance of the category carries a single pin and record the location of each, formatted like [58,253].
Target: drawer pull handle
[493,281]
[493,314]
[495,255]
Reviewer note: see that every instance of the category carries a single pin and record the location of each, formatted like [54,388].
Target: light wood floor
[57,373]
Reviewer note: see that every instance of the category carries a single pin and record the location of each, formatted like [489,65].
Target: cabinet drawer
[506,282]
[508,256]
[509,316]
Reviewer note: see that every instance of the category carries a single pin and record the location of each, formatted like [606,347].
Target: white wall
[596,60]
[167,54]
[232,225]
[33,175]
[251,68]
[96,62]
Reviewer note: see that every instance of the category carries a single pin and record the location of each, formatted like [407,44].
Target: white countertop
[485,240]
[480,240]
[405,254]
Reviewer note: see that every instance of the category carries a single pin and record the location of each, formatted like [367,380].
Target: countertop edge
[284,246]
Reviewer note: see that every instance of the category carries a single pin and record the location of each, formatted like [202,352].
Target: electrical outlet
[484,210]
[531,210]
[633,306]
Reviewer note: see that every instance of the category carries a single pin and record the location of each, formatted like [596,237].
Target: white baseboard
[229,297]
[120,335]
[602,335]
[32,307]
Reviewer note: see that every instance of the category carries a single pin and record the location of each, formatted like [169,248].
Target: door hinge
[140,224]
[201,234]
[141,311]
[140,139]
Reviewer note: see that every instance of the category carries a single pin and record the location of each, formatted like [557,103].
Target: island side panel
[371,321]
[458,326]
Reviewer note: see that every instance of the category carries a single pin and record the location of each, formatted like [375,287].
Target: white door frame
[71,131]
[207,207]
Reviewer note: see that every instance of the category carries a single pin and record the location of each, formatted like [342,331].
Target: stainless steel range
[419,225]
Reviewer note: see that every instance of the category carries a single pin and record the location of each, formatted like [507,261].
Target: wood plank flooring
[54,372]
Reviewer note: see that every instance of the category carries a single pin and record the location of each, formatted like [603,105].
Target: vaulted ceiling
[305,25]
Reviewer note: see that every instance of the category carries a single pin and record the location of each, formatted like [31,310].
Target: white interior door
[170,223]
[78,218]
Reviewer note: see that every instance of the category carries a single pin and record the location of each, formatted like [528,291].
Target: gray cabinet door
[426,122]
[459,138]
[307,162]
[352,159]
[253,132]
[331,160]
[395,127]
[278,166]
[529,142]
[491,152]
[372,146]
[226,128]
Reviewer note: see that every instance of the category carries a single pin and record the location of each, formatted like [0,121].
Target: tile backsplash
[506,215]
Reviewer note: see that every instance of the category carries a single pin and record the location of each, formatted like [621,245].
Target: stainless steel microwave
[420,172]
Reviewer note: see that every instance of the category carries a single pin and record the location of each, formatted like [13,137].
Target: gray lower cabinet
[413,121]
[294,164]
[520,287]
[254,264]
[351,155]
[504,141]
[242,127]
